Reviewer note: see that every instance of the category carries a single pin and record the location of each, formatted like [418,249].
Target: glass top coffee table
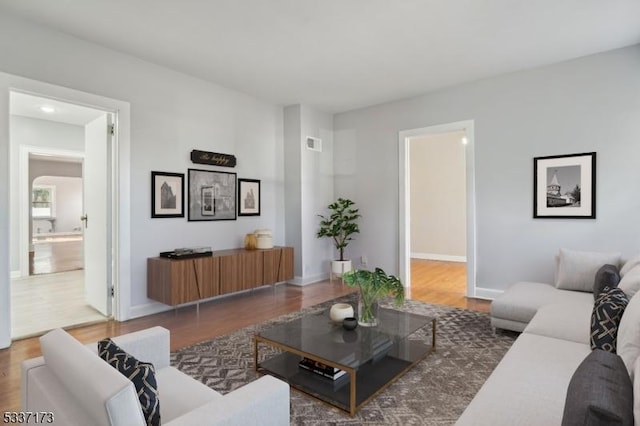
[372,357]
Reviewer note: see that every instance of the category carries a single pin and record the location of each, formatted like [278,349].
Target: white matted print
[564,186]
[167,194]
[248,197]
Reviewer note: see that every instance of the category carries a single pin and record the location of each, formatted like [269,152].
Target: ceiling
[338,55]
[50,109]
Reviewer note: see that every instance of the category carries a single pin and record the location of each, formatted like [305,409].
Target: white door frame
[404,249]
[25,199]
[120,184]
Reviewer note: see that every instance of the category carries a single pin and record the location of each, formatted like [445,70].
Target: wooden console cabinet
[177,281]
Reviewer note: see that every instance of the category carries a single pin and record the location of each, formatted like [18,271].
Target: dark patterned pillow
[142,374]
[607,276]
[605,319]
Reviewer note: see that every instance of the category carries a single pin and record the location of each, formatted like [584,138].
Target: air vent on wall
[314,144]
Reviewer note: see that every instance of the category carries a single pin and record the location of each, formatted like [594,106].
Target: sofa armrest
[263,402]
[25,368]
[149,345]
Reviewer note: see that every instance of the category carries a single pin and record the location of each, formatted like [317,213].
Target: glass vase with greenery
[373,285]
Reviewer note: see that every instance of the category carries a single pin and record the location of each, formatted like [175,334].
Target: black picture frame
[167,194]
[249,197]
[212,195]
[564,186]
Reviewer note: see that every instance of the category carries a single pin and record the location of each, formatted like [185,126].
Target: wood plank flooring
[220,317]
[57,254]
[43,302]
[443,283]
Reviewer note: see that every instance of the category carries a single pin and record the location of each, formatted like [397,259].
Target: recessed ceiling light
[47,109]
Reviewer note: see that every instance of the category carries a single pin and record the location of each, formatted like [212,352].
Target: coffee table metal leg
[255,354]
[433,334]
[352,393]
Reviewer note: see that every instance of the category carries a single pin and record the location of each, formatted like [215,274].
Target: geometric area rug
[434,392]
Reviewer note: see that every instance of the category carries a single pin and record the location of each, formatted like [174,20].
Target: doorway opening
[437,213]
[60,270]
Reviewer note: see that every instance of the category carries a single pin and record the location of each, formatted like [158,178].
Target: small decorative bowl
[349,323]
[340,311]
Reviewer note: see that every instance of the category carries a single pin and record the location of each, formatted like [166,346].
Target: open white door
[97,214]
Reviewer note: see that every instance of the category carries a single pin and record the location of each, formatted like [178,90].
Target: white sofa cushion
[535,369]
[566,321]
[628,345]
[180,394]
[104,393]
[629,265]
[577,269]
[630,283]
[521,301]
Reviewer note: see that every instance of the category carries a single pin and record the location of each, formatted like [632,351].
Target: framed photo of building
[167,194]
[564,186]
[248,197]
[212,195]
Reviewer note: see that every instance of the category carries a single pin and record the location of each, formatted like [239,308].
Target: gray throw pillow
[607,276]
[600,393]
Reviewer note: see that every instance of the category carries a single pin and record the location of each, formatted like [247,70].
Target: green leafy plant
[340,225]
[374,285]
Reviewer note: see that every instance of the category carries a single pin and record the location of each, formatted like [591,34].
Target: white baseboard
[443,257]
[302,281]
[487,293]
[147,309]
[15,274]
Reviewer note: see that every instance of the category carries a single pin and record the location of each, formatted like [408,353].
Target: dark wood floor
[216,318]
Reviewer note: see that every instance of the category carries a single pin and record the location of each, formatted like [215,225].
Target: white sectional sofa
[79,388]
[529,385]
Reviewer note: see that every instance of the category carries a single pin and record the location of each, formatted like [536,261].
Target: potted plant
[340,225]
[373,285]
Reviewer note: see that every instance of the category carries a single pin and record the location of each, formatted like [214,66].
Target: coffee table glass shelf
[373,357]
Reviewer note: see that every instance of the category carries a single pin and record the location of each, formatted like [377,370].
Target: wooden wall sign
[213,158]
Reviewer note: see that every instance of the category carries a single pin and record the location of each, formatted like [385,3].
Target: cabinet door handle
[85,219]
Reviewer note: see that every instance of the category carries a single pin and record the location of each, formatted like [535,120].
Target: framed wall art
[167,194]
[248,197]
[564,186]
[212,195]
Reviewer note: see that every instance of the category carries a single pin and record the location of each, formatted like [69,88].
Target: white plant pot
[339,267]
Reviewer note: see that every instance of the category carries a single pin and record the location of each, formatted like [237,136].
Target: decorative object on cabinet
[213,158]
[167,194]
[250,241]
[212,195]
[248,197]
[264,239]
[564,186]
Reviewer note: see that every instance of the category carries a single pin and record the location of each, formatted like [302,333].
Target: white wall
[68,202]
[309,188]
[589,104]
[317,193]
[438,196]
[171,114]
[26,131]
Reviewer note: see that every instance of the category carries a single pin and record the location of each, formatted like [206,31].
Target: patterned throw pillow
[606,316]
[142,374]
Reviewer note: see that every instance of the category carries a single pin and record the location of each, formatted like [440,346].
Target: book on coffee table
[321,369]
